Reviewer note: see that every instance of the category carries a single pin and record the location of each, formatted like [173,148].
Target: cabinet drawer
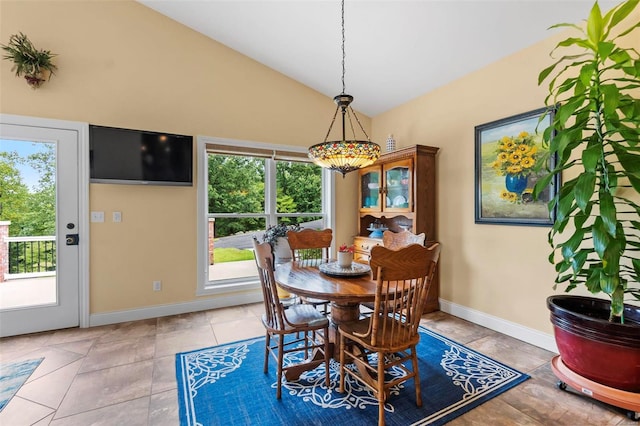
[363,245]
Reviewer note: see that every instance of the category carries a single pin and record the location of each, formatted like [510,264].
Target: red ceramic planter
[607,353]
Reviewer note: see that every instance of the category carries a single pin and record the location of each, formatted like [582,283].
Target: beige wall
[122,64]
[495,269]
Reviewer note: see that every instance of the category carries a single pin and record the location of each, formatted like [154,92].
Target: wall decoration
[510,159]
[36,65]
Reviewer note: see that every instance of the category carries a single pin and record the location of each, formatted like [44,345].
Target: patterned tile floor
[124,373]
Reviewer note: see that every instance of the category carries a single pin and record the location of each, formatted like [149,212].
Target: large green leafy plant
[595,131]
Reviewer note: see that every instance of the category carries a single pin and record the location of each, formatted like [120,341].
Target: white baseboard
[173,309]
[526,334]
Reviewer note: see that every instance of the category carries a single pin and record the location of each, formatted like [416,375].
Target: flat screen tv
[139,157]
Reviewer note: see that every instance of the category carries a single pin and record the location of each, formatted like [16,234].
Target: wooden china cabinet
[398,192]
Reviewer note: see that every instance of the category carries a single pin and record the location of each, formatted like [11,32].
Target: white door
[34,297]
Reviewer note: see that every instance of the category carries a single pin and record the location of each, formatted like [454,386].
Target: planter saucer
[597,391]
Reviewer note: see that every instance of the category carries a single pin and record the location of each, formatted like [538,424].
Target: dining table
[345,288]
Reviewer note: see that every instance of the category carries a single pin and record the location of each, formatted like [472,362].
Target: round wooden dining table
[304,278]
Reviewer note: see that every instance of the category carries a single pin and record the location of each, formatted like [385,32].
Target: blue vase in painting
[515,183]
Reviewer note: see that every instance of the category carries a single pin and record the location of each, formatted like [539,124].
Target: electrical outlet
[157,285]
[117,217]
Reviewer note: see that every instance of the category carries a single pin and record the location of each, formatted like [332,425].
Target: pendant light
[345,155]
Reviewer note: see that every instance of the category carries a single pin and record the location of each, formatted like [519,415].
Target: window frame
[205,287]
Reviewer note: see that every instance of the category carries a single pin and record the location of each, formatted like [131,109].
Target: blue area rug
[225,385]
[13,376]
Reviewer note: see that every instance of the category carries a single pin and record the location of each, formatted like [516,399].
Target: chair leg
[308,336]
[280,362]
[267,342]
[326,357]
[381,394]
[342,360]
[416,378]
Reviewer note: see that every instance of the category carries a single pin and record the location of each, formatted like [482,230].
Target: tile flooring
[124,374]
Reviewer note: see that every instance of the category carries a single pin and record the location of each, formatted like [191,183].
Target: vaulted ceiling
[396,50]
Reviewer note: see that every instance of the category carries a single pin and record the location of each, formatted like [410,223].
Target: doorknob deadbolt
[70,226]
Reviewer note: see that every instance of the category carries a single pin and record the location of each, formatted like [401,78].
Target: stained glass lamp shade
[345,155]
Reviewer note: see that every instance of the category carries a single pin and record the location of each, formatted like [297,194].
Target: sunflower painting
[510,159]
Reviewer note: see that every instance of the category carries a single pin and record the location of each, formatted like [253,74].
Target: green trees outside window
[237,185]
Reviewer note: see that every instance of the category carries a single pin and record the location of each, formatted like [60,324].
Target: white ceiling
[396,50]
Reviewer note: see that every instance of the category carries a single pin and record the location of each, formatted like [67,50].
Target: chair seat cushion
[306,316]
[356,329]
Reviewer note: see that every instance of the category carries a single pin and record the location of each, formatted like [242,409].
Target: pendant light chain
[335,114]
[343,54]
[344,88]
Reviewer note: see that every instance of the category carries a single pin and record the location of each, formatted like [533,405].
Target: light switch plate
[97,216]
[117,217]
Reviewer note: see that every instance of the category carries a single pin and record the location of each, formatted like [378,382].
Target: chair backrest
[272,305]
[404,277]
[396,240]
[310,243]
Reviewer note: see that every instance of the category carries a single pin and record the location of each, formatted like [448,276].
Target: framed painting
[508,153]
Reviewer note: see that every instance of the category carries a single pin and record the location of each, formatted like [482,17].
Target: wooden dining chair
[396,240]
[308,244]
[299,328]
[388,338]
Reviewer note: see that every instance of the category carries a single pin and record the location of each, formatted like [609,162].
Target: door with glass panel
[398,186]
[370,189]
[39,255]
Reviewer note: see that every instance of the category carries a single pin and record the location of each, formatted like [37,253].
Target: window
[245,188]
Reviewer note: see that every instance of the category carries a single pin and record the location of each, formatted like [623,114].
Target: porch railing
[31,255]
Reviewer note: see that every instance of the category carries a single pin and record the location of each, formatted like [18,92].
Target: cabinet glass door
[370,181]
[398,187]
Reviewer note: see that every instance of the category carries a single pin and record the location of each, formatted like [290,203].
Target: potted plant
[345,255]
[595,238]
[276,235]
[34,64]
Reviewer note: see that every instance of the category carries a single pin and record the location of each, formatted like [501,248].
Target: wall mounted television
[139,157]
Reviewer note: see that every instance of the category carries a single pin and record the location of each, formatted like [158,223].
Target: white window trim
[204,287]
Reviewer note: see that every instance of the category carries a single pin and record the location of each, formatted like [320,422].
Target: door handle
[72,239]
